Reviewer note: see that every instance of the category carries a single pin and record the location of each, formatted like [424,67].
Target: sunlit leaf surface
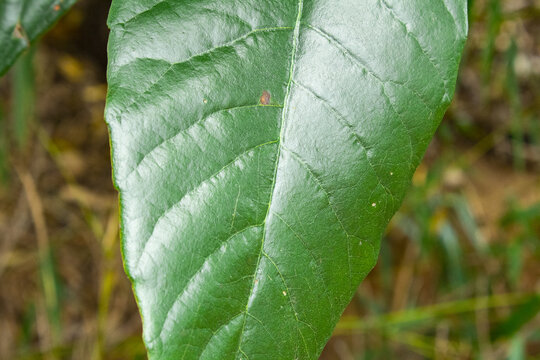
[260,149]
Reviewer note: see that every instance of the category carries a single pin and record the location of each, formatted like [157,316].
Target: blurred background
[459,272]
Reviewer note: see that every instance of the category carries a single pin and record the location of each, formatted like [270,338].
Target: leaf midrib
[296,35]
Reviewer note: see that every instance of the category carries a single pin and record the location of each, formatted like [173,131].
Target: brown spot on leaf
[19,33]
[265,98]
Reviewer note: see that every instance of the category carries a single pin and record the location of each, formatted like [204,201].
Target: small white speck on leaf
[391,174]
[205,101]
[374,204]
[284,293]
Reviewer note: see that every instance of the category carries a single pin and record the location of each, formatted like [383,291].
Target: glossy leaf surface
[22,22]
[260,148]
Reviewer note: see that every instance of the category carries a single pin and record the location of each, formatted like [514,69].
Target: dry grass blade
[49,333]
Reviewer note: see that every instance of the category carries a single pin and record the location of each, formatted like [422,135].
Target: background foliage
[458,276]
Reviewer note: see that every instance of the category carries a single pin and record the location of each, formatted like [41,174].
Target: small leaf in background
[22,22]
[520,316]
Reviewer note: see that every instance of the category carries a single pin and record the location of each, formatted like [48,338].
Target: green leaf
[518,318]
[22,22]
[260,149]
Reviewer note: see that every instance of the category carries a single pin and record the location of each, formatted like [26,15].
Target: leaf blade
[259,161]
